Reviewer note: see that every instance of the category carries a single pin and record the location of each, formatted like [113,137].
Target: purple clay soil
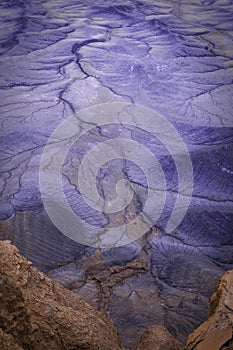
[175,57]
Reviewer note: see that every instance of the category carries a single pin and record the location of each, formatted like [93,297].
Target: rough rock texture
[7,342]
[157,338]
[37,313]
[155,280]
[217,332]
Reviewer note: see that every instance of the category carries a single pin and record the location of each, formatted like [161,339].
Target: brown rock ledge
[214,334]
[157,337]
[37,313]
[217,332]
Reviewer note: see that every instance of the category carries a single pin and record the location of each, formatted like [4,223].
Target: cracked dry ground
[176,57]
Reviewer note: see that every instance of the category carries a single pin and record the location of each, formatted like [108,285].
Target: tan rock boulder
[157,337]
[37,313]
[217,332]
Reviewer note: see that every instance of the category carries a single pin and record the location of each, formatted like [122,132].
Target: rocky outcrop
[217,332]
[214,334]
[157,337]
[146,282]
[37,313]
